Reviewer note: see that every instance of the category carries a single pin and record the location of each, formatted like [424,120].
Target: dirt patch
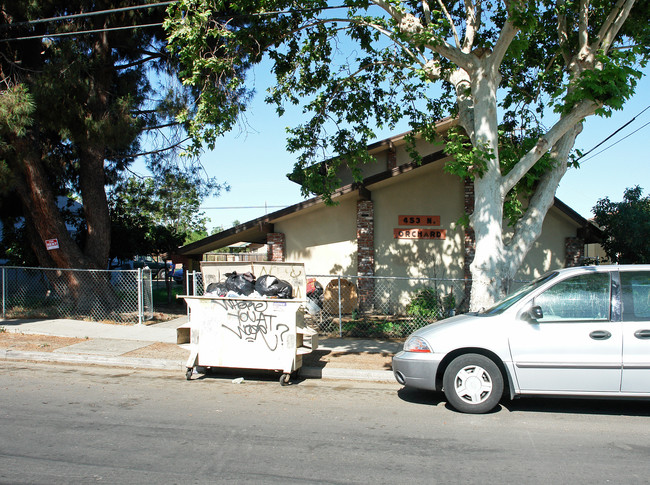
[35,343]
[355,360]
[165,351]
[160,350]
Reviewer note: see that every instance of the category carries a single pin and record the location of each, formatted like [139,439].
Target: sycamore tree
[520,77]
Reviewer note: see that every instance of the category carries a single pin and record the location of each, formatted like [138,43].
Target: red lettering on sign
[419,233]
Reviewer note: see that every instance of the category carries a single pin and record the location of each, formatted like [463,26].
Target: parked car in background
[177,274]
[573,332]
[157,267]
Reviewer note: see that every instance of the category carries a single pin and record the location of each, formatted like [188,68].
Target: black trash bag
[240,283]
[269,285]
[218,289]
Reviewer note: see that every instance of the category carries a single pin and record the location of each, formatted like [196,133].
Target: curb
[347,374]
[177,365]
[160,364]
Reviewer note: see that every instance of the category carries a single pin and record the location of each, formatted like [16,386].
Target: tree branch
[137,63]
[451,22]
[583,25]
[158,127]
[472,23]
[546,142]
[161,150]
[426,11]
[529,226]
[615,20]
[506,36]
[562,32]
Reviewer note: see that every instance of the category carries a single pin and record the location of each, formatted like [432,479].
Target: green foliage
[425,304]
[155,215]
[16,110]
[626,227]
[363,70]
[611,85]
[69,103]
[468,161]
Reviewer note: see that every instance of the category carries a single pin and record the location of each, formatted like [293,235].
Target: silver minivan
[581,331]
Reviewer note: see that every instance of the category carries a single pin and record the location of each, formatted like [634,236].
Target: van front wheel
[473,384]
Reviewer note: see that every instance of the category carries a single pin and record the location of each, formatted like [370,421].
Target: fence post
[194,283]
[4,294]
[140,296]
[340,310]
[187,288]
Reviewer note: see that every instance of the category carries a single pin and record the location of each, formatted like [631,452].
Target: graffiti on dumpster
[253,321]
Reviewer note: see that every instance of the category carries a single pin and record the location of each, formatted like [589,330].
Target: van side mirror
[535,313]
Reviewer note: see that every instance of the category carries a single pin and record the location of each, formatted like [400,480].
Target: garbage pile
[238,285]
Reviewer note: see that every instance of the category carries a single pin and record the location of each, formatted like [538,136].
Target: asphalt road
[73,424]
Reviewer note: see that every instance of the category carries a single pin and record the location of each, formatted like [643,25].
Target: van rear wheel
[473,384]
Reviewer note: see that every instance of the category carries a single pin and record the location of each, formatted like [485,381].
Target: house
[401,221]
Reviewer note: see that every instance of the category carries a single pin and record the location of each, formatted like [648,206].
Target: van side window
[583,297]
[635,286]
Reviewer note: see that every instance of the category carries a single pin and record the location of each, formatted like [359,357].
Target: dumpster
[249,332]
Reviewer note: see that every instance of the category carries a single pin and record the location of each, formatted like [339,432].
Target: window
[635,286]
[583,297]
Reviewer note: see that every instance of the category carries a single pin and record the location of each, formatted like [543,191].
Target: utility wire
[615,143]
[246,207]
[93,31]
[123,9]
[610,136]
[85,14]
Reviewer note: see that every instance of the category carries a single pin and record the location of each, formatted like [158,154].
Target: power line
[610,136]
[244,207]
[158,4]
[93,31]
[85,14]
[615,143]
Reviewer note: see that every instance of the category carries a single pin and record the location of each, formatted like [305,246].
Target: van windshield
[508,301]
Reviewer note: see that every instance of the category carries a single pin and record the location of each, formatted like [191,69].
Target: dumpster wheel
[284,379]
[188,373]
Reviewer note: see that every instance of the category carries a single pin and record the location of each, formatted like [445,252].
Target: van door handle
[600,335]
[642,334]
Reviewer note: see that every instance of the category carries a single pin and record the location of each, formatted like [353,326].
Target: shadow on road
[608,407]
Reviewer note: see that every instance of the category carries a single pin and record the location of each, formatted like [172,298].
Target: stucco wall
[549,250]
[425,191]
[401,156]
[323,238]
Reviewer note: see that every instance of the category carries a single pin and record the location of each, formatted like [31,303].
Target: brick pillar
[574,251]
[275,246]
[469,247]
[366,253]
[391,163]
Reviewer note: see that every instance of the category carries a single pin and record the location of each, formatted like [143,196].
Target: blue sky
[254,161]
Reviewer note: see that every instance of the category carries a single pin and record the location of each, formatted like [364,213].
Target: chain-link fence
[123,296]
[381,307]
[373,307]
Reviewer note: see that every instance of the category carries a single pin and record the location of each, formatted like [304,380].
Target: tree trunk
[40,203]
[93,194]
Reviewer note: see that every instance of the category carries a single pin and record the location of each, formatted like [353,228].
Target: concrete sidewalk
[107,344]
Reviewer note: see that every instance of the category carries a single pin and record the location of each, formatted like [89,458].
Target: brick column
[469,246]
[574,251]
[275,246]
[366,253]
[391,163]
